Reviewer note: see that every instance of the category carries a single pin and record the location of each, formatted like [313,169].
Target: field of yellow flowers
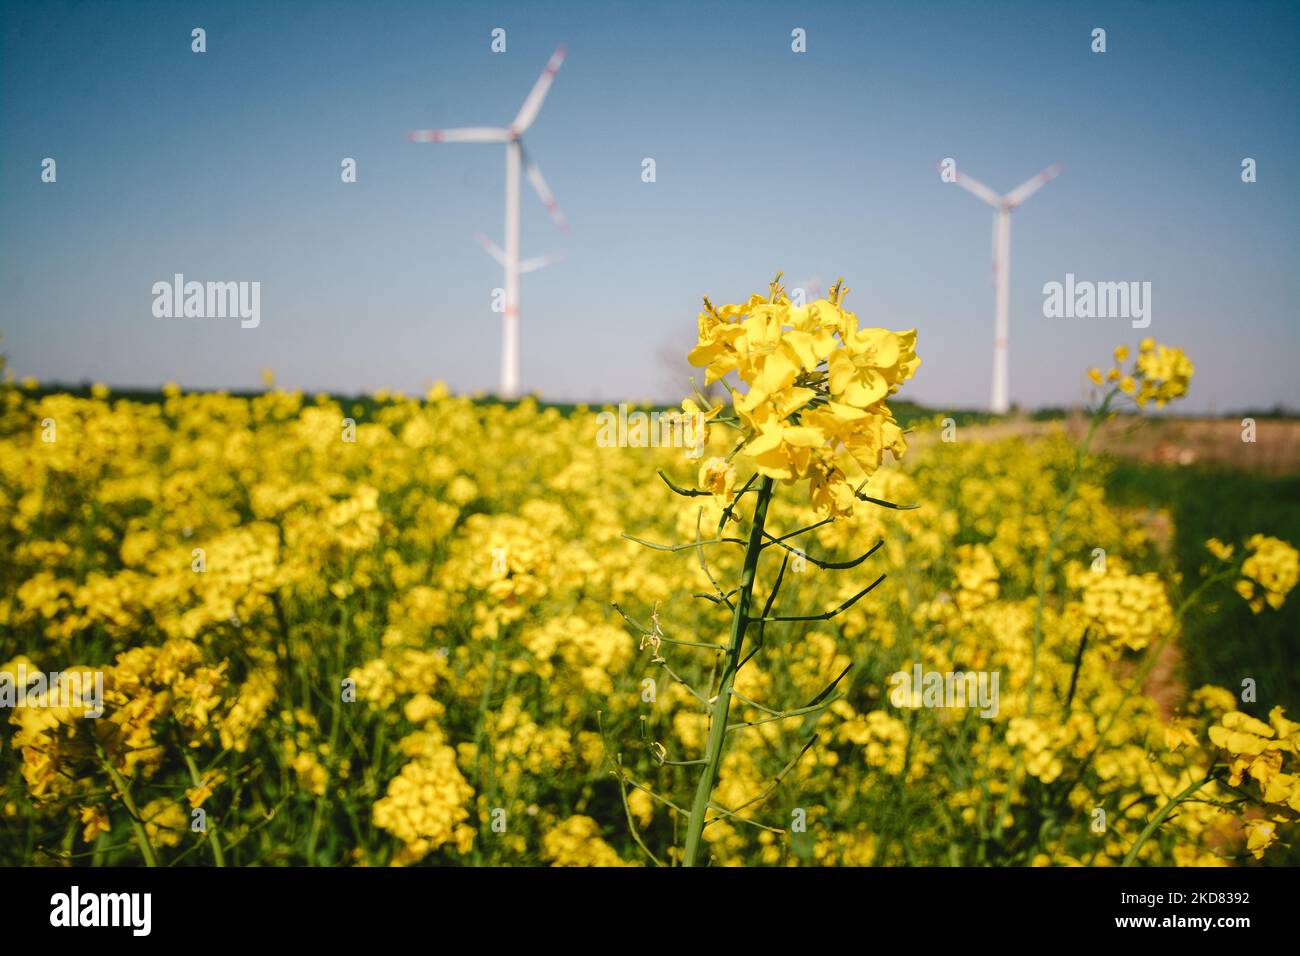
[430,631]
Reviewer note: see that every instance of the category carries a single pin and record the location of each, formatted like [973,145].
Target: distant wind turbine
[509,257]
[525,266]
[1002,206]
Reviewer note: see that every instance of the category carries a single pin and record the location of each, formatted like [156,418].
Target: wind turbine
[515,157]
[1002,206]
[526,266]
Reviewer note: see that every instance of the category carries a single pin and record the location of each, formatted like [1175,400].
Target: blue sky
[225,166]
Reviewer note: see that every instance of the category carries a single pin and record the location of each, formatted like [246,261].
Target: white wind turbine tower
[1002,206]
[509,257]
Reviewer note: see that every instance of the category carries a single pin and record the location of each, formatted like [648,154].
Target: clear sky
[226,166]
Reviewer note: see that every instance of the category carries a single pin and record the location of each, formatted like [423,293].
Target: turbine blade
[1027,189]
[543,191]
[491,248]
[977,188]
[533,103]
[471,134]
[540,262]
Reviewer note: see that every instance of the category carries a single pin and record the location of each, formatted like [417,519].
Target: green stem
[318,814]
[137,823]
[1159,818]
[740,620]
[217,855]
[480,733]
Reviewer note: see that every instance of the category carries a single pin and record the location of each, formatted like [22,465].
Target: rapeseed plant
[813,409]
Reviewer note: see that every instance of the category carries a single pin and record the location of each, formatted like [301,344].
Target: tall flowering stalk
[1158,375]
[809,406]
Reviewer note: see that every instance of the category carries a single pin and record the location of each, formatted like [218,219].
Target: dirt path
[1169,441]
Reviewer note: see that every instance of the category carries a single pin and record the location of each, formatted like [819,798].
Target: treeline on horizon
[906,412]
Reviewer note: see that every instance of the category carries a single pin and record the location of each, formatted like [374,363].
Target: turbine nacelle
[1015,197]
[526,265]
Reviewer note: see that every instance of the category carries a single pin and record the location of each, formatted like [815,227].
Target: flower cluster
[1269,755]
[814,408]
[1159,374]
[1038,740]
[977,576]
[577,842]
[154,697]
[1126,611]
[425,803]
[1269,572]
